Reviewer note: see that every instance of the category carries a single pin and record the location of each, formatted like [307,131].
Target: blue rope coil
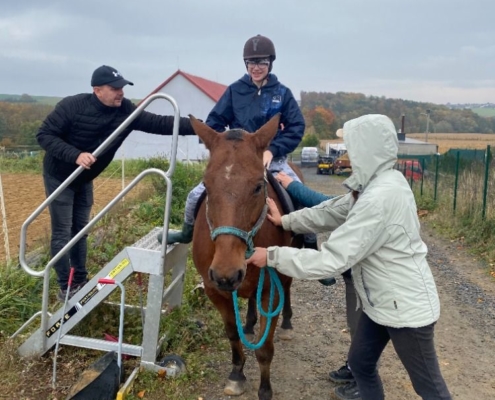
[269,314]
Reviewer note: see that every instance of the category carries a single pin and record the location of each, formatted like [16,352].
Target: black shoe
[62,293]
[348,392]
[327,281]
[342,375]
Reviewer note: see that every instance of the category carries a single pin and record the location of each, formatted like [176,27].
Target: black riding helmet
[259,47]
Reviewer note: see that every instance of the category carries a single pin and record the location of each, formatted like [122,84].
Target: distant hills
[47,100]
[26,98]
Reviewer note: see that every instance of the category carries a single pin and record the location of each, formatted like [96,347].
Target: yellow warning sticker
[118,269]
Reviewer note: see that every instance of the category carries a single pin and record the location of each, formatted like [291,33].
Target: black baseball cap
[106,75]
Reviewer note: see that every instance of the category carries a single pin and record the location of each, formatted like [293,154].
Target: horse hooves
[234,388]
[285,334]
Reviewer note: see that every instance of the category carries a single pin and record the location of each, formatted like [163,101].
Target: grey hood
[372,145]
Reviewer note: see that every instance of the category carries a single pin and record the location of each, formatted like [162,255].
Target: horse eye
[258,188]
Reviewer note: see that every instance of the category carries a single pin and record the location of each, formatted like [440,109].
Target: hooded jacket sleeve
[222,113]
[53,131]
[287,139]
[360,236]
[324,217]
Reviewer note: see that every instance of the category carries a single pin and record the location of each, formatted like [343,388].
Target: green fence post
[422,175]
[485,184]
[436,177]
[456,179]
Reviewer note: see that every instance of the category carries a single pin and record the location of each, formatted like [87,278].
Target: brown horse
[236,190]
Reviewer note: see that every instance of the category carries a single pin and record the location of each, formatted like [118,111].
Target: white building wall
[413,147]
[190,100]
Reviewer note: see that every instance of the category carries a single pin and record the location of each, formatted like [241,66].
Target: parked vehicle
[410,168]
[309,157]
[342,165]
[325,165]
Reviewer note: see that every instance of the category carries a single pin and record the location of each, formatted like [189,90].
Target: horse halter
[247,237]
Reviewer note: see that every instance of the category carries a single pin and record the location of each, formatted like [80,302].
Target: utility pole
[427,123]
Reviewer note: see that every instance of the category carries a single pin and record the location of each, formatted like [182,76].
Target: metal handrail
[79,170]
[166,175]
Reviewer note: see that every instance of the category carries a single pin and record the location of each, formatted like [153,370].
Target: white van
[309,156]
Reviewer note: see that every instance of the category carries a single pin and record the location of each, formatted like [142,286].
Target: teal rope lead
[269,314]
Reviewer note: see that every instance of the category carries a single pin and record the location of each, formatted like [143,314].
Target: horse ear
[206,134]
[263,136]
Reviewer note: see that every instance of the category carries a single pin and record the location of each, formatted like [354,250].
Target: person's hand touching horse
[273,213]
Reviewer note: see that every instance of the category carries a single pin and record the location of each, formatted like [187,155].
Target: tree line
[19,122]
[340,107]
[324,114]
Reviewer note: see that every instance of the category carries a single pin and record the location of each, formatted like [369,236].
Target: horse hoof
[285,334]
[234,388]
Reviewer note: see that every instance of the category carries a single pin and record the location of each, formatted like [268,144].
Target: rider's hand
[267,158]
[273,212]
[85,160]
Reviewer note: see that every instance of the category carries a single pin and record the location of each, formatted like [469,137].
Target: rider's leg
[185,235]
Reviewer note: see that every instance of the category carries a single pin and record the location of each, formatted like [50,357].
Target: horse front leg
[264,355]
[251,319]
[236,384]
[286,330]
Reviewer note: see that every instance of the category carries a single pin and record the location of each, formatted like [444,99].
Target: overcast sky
[425,50]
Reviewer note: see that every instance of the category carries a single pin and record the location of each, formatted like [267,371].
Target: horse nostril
[240,276]
[210,275]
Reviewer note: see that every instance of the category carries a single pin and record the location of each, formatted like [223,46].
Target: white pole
[4,223]
[123,172]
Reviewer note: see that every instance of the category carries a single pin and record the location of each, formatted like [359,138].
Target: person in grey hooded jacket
[376,234]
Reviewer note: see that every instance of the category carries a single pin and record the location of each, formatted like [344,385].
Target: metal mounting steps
[143,256]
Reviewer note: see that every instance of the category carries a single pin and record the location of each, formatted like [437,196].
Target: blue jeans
[416,350]
[69,214]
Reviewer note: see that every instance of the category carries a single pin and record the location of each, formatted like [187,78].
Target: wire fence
[461,180]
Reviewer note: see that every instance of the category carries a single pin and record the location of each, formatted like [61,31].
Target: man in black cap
[69,135]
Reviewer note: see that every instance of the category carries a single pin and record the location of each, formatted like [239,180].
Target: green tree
[310,140]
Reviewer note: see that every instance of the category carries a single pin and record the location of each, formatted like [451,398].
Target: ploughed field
[23,193]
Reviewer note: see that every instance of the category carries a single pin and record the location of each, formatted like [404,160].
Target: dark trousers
[352,314]
[69,213]
[415,348]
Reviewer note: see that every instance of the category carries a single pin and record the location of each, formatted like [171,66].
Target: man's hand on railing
[86,160]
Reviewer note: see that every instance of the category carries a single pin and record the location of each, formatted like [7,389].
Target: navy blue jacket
[244,106]
[81,123]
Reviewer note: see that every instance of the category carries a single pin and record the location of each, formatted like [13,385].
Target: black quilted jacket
[80,123]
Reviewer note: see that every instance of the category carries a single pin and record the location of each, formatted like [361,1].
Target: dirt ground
[23,193]
[465,333]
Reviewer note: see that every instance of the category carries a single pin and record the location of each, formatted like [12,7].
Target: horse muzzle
[227,282]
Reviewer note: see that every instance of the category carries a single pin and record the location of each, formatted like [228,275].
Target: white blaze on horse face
[228,169]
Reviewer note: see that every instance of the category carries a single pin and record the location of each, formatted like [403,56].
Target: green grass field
[484,112]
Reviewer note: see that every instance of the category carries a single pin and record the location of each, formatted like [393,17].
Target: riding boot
[183,236]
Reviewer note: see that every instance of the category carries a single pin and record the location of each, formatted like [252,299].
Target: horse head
[236,191]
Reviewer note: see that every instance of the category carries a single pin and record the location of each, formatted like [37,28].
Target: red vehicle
[410,169]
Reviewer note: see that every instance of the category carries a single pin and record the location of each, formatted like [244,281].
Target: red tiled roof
[214,90]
